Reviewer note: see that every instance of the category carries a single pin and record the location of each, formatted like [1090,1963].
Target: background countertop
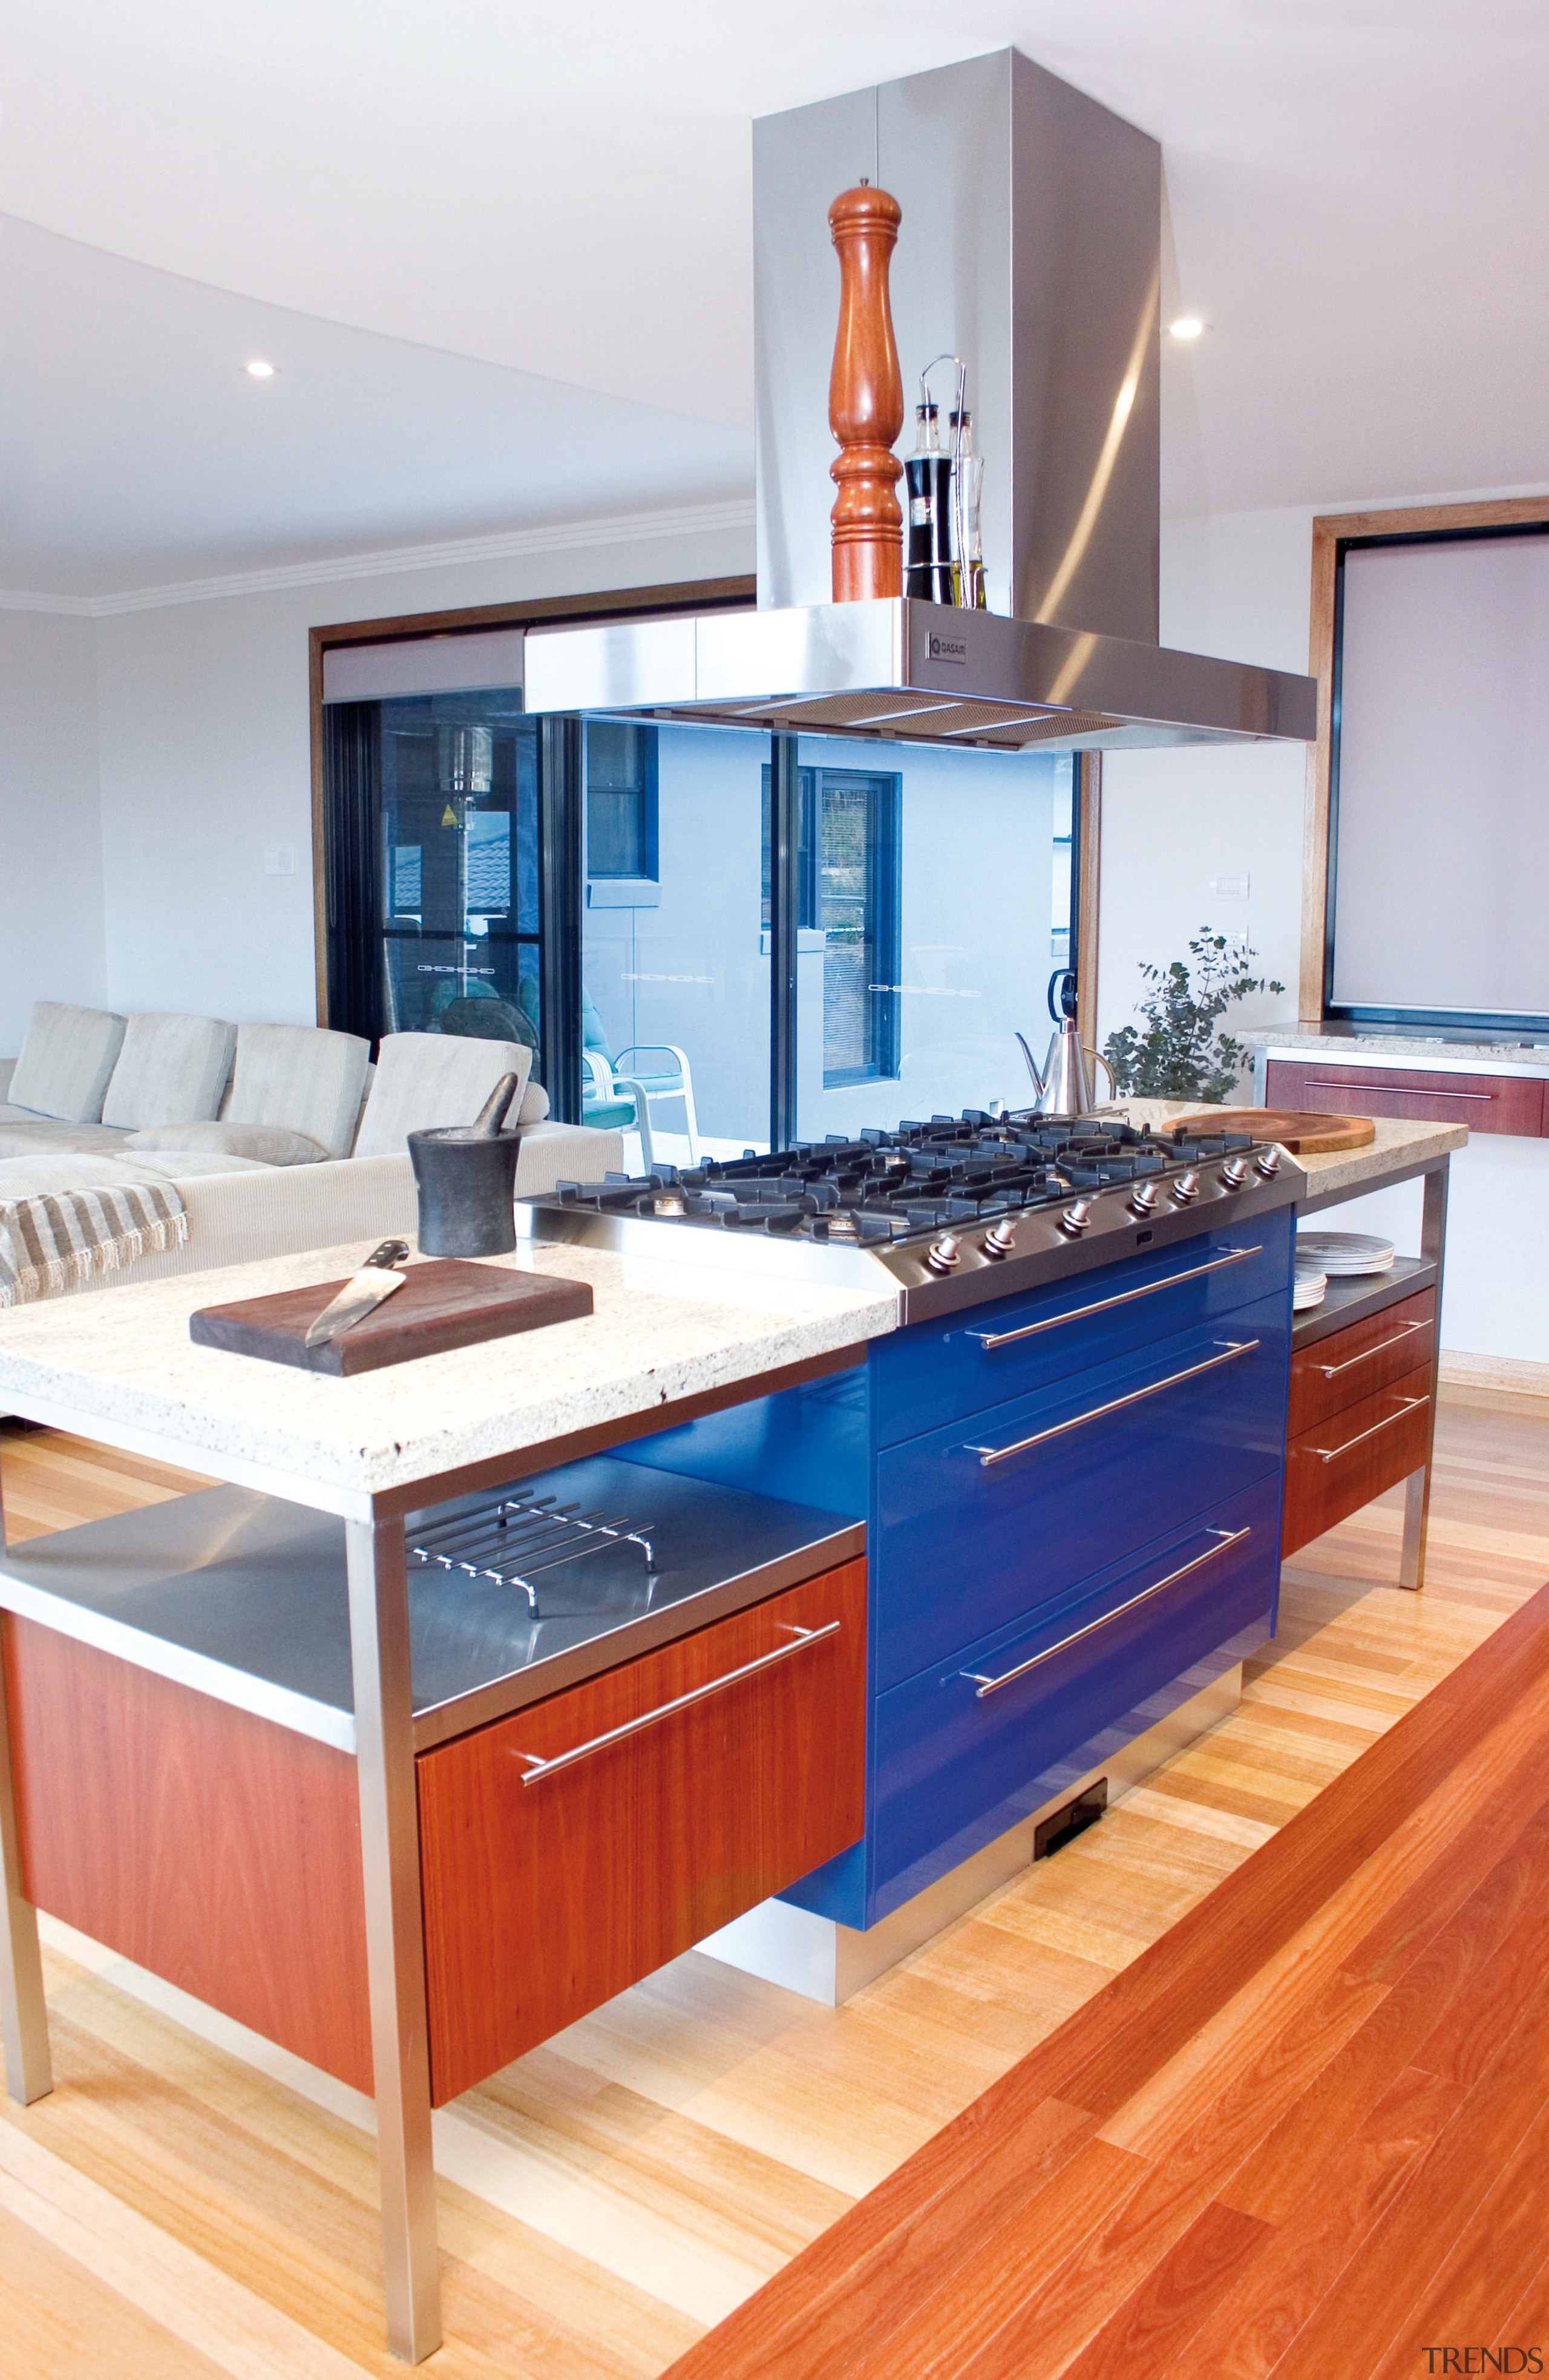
[1444,1053]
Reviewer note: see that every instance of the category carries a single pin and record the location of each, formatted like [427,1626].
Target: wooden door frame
[1330,532]
[607,603]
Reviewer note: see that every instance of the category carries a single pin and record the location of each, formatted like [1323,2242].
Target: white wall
[51,851]
[1172,820]
[206,764]
[1240,587]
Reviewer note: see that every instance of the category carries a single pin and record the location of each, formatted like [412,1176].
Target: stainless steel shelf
[246,1598]
[1354,1296]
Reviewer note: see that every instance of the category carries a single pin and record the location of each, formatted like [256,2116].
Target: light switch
[279,859]
[1229,888]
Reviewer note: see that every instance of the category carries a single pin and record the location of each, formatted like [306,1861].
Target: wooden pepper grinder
[865,400]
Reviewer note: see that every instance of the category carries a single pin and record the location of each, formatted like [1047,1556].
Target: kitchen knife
[361,1295]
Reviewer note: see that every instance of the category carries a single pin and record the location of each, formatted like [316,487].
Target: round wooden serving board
[1301,1131]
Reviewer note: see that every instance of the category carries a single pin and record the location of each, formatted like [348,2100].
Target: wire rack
[516,1539]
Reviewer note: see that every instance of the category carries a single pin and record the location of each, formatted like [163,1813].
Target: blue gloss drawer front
[936,1372]
[964,1751]
[994,1517]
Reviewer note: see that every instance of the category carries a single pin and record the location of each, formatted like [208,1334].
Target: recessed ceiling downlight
[1188,326]
[259,370]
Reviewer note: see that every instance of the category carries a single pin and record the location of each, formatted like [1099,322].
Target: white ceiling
[521,236]
[135,451]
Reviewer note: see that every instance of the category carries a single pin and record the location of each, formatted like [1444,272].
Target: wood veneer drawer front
[1358,1361]
[545,1893]
[1506,1103]
[1333,1468]
[219,1850]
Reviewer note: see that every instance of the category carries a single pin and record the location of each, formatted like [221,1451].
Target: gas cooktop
[953,1211]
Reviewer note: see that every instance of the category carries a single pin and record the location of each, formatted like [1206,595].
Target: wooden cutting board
[443,1304]
[1301,1130]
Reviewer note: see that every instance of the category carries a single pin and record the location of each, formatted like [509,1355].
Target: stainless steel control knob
[1269,1164]
[1001,1239]
[1234,1173]
[1075,1219]
[942,1254]
[1186,1187]
[1142,1197]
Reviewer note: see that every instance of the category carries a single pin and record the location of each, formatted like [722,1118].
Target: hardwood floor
[1178,2199]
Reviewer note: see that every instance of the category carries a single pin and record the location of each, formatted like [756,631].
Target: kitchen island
[175,1728]
[773,1384]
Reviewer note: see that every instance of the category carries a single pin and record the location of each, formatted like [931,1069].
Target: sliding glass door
[434,863]
[695,963]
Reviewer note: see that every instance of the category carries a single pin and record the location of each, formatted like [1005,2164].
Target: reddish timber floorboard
[1305,2132]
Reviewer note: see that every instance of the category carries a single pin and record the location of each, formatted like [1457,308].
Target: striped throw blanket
[57,1241]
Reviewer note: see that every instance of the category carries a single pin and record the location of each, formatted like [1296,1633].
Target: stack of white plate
[1310,1288]
[1342,1253]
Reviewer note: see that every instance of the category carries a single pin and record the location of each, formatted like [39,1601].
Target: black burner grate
[885,1186]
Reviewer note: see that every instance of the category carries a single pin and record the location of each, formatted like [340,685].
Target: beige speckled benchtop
[1398,1150]
[123,1369]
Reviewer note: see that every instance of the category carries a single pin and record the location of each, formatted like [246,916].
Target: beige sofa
[276,1138]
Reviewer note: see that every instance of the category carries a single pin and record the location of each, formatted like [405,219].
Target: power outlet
[279,859]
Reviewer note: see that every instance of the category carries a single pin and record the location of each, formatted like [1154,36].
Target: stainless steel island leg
[1417,1486]
[23,2012]
[395,1933]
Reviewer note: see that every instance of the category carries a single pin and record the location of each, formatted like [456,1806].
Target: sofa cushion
[425,1080]
[22,1134]
[268,1144]
[66,1061]
[171,1070]
[301,1075]
[535,1104]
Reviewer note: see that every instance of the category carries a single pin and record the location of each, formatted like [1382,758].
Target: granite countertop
[122,1367]
[1398,1148]
[1503,1054]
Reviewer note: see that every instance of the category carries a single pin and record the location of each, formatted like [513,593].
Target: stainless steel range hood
[916,672]
[1030,247]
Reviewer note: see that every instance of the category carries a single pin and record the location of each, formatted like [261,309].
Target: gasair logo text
[948,649]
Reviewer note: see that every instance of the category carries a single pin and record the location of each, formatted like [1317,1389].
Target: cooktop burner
[886,1187]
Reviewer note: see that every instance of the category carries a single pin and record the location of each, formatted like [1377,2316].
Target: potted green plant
[1180,1053]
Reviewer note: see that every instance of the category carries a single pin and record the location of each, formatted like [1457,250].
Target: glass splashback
[675,961]
[929,941]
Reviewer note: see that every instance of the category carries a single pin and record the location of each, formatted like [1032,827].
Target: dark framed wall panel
[1333,536]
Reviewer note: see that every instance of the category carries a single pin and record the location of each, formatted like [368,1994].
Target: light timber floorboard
[191,2201]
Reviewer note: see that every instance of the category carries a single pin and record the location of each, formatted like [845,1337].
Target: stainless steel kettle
[1065,1087]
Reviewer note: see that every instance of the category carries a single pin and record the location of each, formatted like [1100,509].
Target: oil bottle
[929,572]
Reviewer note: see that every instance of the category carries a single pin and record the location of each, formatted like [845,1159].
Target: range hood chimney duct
[1030,247]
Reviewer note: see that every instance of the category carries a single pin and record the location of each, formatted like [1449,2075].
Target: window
[847,876]
[620,802]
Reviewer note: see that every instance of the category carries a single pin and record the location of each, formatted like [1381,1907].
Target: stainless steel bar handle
[1483,1096]
[1332,1454]
[1232,1349]
[803,1637]
[992,1685]
[991,1339]
[1332,1371]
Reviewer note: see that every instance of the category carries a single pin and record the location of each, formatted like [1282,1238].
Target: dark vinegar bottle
[928,574]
